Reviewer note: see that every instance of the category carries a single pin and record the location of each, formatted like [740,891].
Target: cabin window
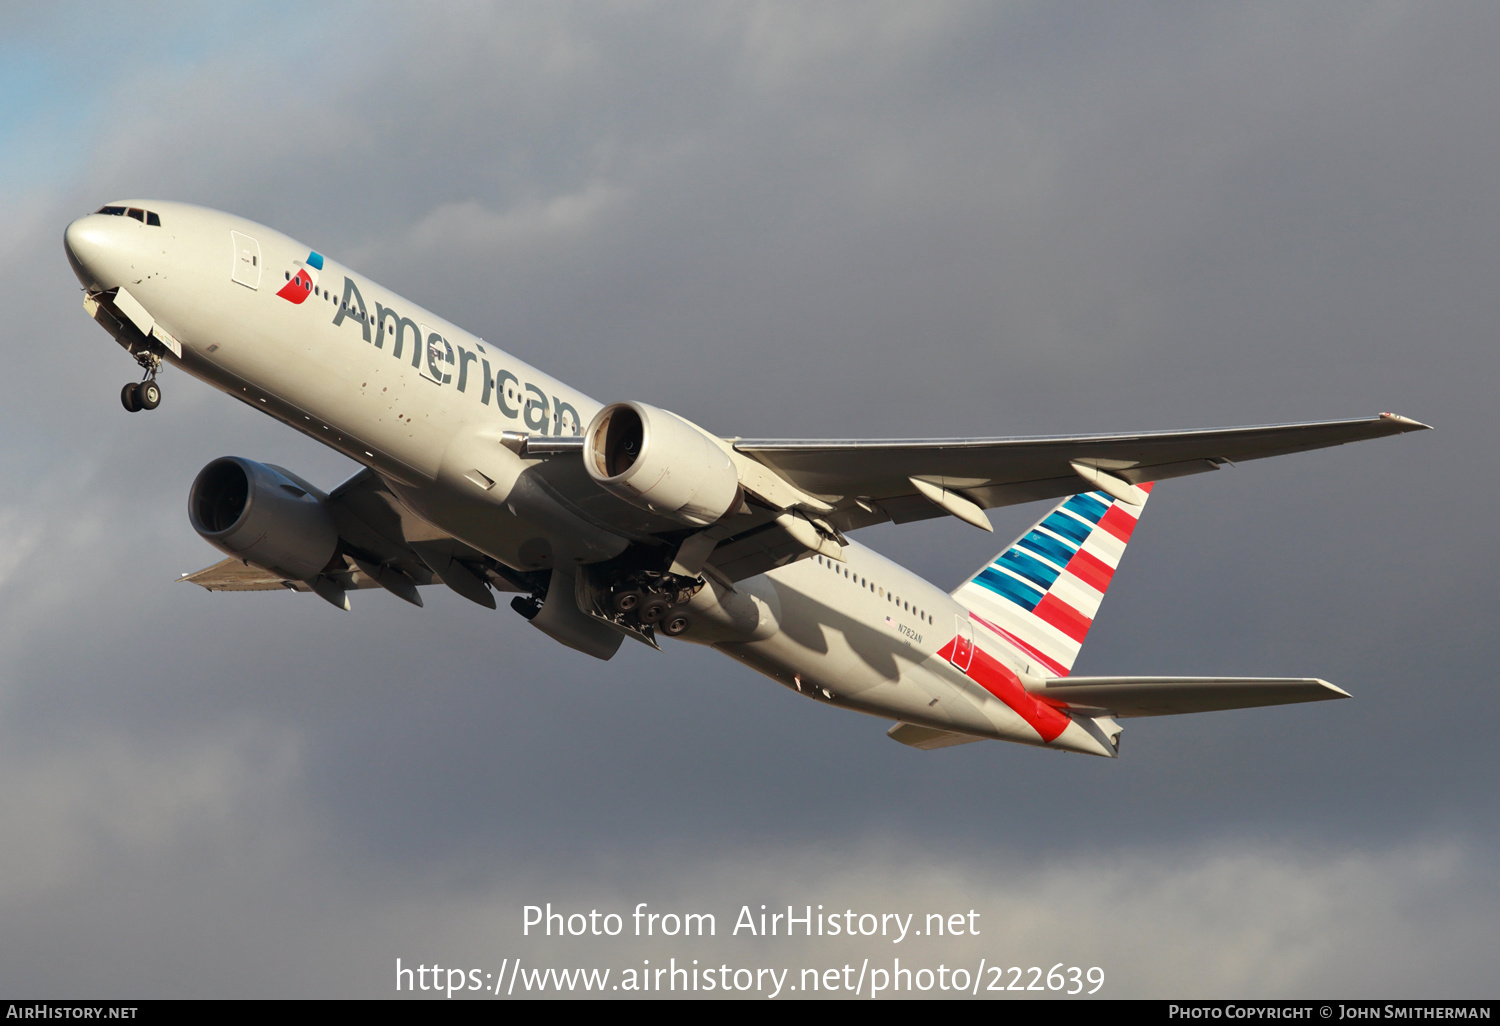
[153,220]
[116,211]
[137,213]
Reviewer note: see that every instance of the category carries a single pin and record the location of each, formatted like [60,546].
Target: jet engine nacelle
[660,462]
[259,514]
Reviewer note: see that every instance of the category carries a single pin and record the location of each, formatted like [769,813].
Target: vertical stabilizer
[1040,595]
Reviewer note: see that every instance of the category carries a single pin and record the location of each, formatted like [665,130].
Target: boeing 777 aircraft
[627,521]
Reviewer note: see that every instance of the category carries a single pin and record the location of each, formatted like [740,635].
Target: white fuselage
[864,633]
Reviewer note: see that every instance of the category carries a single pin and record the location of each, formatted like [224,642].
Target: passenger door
[963,644]
[246,268]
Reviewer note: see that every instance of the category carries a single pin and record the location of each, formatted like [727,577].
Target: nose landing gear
[143,395]
[140,395]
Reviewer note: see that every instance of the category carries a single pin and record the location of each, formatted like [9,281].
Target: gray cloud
[779,220]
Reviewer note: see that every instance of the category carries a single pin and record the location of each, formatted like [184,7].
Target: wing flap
[1127,697]
[233,575]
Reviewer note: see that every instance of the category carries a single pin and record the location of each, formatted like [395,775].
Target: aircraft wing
[841,485]
[236,575]
[382,545]
[1125,697]
[872,481]
[837,485]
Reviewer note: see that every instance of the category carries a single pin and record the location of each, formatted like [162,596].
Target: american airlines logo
[305,281]
[444,363]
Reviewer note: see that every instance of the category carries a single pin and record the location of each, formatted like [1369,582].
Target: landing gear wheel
[148,394]
[628,601]
[129,399]
[675,624]
[654,608]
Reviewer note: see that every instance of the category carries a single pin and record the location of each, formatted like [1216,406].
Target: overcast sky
[801,220]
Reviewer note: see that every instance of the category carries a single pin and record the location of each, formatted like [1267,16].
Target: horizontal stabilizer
[928,738]
[1167,696]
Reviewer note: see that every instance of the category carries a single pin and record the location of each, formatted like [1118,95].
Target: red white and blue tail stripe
[1040,595]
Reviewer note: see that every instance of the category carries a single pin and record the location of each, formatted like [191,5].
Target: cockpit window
[145,216]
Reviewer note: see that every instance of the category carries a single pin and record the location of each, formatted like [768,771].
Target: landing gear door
[246,268]
[963,644]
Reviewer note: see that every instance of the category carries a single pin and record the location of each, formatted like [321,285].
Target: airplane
[624,520]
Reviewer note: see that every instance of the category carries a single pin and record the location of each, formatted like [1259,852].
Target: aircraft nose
[87,243]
